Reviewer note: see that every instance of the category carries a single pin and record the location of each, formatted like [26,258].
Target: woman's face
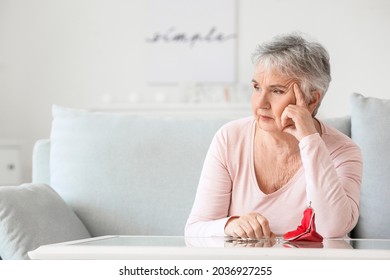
[272,93]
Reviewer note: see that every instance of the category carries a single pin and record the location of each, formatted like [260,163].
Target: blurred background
[93,54]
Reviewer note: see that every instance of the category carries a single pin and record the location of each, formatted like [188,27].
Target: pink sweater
[329,177]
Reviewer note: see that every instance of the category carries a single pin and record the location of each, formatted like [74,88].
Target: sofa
[119,174]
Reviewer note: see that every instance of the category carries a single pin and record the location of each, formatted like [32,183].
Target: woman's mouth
[265,118]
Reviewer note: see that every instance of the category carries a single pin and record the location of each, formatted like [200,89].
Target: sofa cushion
[343,124]
[370,129]
[34,215]
[124,174]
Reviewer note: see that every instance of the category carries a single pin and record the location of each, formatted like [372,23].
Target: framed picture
[191,41]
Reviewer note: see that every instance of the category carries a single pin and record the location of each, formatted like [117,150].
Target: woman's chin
[274,127]
[268,127]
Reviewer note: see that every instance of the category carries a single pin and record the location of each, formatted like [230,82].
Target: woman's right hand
[252,225]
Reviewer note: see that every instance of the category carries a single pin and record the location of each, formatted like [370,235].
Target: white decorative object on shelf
[107,98]
[133,97]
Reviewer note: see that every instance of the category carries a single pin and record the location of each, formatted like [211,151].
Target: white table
[177,247]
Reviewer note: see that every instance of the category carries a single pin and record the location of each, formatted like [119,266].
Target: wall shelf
[229,110]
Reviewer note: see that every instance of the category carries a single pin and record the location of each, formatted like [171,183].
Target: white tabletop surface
[178,247]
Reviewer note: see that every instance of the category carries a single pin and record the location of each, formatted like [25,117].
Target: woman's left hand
[301,116]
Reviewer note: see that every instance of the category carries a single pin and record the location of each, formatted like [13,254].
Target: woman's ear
[314,102]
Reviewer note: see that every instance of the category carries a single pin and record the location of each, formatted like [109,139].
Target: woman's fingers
[299,97]
[266,231]
[252,225]
[296,119]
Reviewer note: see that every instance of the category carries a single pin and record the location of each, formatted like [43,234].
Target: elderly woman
[260,173]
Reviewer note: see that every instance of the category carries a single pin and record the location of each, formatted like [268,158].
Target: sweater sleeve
[211,206]
[333,180]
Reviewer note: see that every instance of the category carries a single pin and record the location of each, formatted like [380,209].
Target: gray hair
[304,60]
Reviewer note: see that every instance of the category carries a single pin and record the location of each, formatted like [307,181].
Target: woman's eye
[277,91]
[256,88]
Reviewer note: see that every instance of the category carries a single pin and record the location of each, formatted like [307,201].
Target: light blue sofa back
[41,151]
[124,174]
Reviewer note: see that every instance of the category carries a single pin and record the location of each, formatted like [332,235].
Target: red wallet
[306,231]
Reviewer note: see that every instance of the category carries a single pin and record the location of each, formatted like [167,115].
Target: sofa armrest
[32,215]
[41,162]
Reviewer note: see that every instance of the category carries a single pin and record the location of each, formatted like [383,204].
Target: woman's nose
[262,101]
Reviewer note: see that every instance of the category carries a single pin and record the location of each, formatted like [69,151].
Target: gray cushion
[370,129]
[342,124]
[128,175]
[34,215]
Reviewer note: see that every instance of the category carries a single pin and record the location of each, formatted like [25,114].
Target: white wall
[74,52]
